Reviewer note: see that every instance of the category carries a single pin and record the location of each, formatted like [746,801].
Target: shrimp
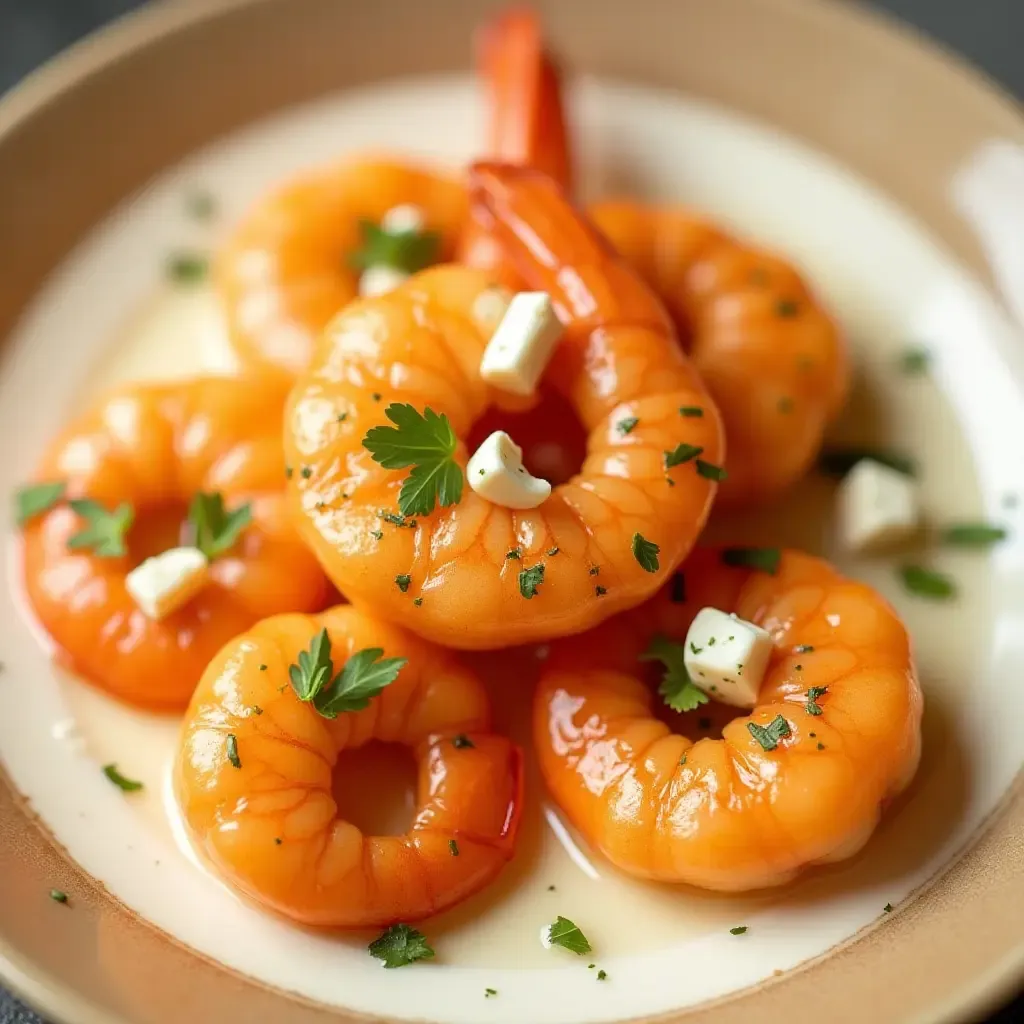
[735,813]
[288,268]
[254,775]
[477,575]
[773,359]
[154,447]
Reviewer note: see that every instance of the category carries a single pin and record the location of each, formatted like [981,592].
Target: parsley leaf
[676,687]
[233,757]
[404,250]
[364,676]
[681,453]
[530,579]
[567,935]
[32,500]
[314,667]
[973,535]
[927,582]
[214,529]
[427,443]
[740,929]
[812,706]
[762,559]
[690,411]
[105,531]
[400,945]
[769,735]
[710,471]
[626,424]
[123,783]
[646,553]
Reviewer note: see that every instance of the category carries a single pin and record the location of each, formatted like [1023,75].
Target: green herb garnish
[123,783]
[187,267]
[58,896]
[691,411]
[646,553]
[787,308]
[105,531]
[426,442]
[710,471]
[676,687]
[400,945]
[803,649]
[681,453]
[404,250]
[462,742]
[812,707]
[626,424]
[839,461]
[602,974]
[515,554]
[488,992]
[926,582]
[402,582]
[567,935]
[769,735]
[973,535]
[738,930]
[600,591]
[915,360]
[37,498]
[233,757]
[887,909]
[761,559]
[214,529]
[453,847]
[530,579]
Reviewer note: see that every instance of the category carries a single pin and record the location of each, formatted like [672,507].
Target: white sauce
[106,315]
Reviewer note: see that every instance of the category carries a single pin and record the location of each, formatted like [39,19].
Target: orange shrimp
[730,813]
[254,778]
[287,269]
[773,359]
[478,575]
[154,446]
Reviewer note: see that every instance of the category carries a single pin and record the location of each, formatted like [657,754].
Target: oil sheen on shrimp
[728,813]
[618,365]
[255,770]
[155,446]
[772,357]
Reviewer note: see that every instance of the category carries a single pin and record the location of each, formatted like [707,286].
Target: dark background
[990,33]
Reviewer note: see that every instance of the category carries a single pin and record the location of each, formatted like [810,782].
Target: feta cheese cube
[521,347]
[380,279]
[727,657]
[877,507]
[403,219]
[496,472]
[168,581]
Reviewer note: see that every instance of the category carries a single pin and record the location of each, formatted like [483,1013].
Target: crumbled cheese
[168,581]
[877,507]
[727,657]
[520,348]
[496,472]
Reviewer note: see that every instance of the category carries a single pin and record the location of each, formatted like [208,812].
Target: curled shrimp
[153,447]
[288,268]
[735,813]
[474,574]
[773,359]
[254,777]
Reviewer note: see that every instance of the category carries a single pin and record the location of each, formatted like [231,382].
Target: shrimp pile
[690,370]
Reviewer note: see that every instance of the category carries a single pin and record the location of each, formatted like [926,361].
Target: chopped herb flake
[515,554]
[105,531]
[769,735]
[233,750]
[488,992]
[887,909]
[915,361]
[600,591]
[787,308]
[58,896]
[123,783]
[404,250]
[710,471]
[530,579]
[973,535]
[803,649]
[839,461]
[680,454]
[761,559]
[738,930]
[626,425]
[453,847]
[691,411]
[417,601]
[602,974]
[397,520]
[37,498]
[187,267]
[462,742]
[402,581]
[400,945]
[812,707]
[200,205]
[926,582]
[567,935]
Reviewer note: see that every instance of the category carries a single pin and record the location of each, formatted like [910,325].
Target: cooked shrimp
[254,778]
[474,574]
[525,119]
[288,267]
[153,447]
[731,813]
[773,359]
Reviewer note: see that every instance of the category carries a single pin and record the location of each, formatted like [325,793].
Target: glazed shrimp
[154,447]
[254,778]
[730,813]
[773,359]
[478,575]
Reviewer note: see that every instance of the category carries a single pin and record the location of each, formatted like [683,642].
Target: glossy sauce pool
[108,315]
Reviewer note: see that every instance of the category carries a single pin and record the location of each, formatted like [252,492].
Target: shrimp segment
[421,345]
[269,823]
[771,356]
[155,446]
[729,813]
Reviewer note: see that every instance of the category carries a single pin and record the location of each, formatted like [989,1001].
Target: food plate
[880,167]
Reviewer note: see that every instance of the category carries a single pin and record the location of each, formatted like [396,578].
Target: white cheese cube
[521,347]
[380,279]
[496,472]
[877,507]
[168,581]
[403,219]
[726,657]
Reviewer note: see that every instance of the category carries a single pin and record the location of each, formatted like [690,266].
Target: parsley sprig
[363,677]
[676,687]
[401,945]
[104,531]
[404,250]
[215,529]
[426,442]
